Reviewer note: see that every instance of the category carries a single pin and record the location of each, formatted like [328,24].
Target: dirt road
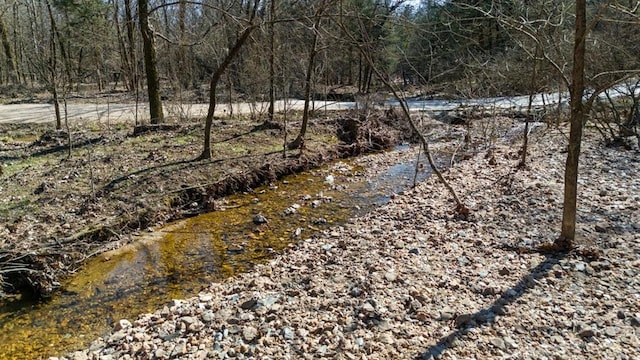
[42,113]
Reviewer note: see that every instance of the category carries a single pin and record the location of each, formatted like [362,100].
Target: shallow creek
[183,258]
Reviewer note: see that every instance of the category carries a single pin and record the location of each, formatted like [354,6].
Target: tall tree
[217,75]
[53,65]
[298,142]
[10,60]
[272,60]
[568,230]
[150,63]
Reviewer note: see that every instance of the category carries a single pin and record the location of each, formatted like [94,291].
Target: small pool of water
[183,258]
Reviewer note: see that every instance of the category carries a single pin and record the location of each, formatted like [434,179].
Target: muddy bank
[59,210]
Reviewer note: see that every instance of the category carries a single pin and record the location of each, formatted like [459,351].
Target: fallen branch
[461,209]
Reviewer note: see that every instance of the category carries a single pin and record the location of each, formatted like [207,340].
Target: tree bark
[53,67]
[298,142]
[272,60]
[568,231]
[134,80]
[150,64]
[532,90]
[10,59]
[215,79]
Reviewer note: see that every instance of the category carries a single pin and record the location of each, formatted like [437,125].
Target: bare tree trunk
[532,91]
[53,68]
[66,62]
[313,50]
[272,60]
[150,64]
[122,47]
[184,71]
[568,231]
[215,79]
[132,53]
[10,59]
[66,125]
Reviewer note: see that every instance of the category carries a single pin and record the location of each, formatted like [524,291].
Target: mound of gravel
[408,281]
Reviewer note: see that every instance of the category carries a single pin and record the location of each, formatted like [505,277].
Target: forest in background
[226,51]
[465,48]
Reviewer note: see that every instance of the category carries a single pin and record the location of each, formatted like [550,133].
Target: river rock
[79,355]
[117,336]
[288,333]
[446,314]
[391,276]
[587,333]
[249,333]
[204,298]
[611,331]
[260,219]
[122,324]
[498,342]
[322,297]
[510,343]
[292,209]
[248,304]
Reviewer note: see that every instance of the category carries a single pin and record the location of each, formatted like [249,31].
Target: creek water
[183,258]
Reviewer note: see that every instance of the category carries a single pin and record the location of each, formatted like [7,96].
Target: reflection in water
[185,257]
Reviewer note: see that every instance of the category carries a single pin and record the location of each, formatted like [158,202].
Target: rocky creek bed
[408,281]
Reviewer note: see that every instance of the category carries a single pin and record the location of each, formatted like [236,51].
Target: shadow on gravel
[488,316]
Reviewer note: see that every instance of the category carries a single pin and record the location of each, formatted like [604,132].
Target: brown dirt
[57,210]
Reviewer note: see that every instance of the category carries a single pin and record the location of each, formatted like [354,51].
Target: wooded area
[74,191]
[259,50]
[466,48]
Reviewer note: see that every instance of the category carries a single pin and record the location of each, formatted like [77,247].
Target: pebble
[249,333]
[260,219]
[446,314]
[391,276]
[611,331]
[510,343]
[122,324]
[498,342]
[400,282]
[587,333]
[288,333]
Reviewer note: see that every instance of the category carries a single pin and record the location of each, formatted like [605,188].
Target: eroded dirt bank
[409,281]
[58,209]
